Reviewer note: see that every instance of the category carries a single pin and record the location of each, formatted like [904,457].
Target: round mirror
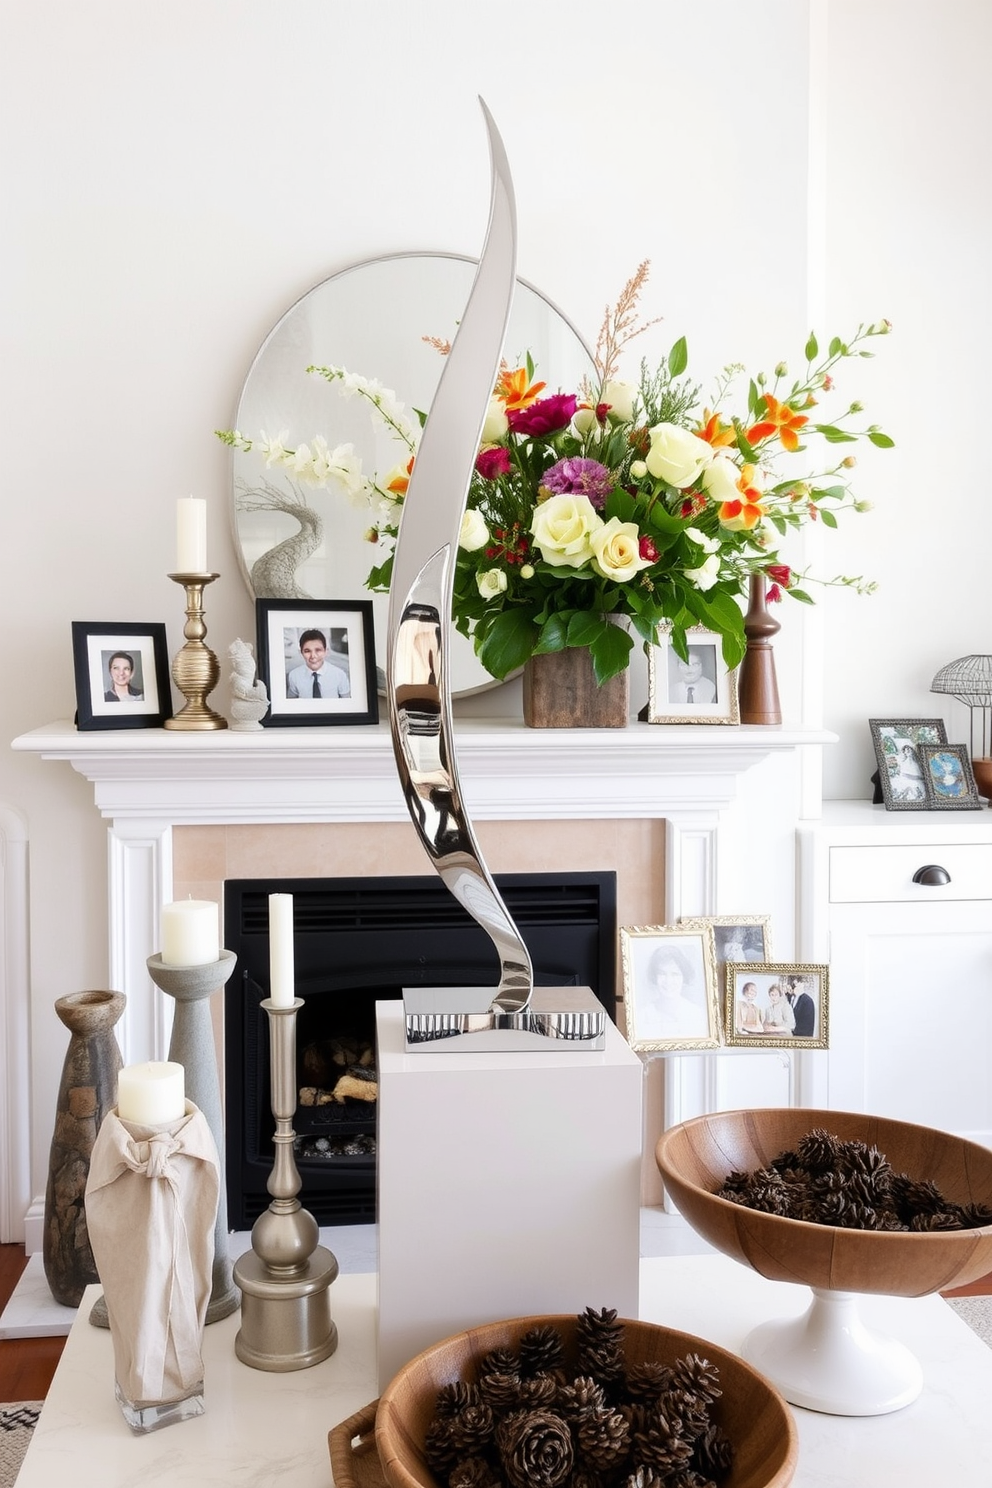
[381,319]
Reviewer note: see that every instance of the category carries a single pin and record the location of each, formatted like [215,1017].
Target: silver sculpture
[418,689]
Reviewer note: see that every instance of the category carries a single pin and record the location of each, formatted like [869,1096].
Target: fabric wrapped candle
[151,1202]
[151,1093]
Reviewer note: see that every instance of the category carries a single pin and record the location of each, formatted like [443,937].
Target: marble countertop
[264,1429]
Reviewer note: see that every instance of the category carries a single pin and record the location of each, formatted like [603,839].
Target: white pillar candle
[190,933]
[282,976]
[191,536]
[151,1094]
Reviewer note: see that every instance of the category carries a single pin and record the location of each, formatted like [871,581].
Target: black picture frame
[346,628]
[148,699]
[900,770]
[948,777]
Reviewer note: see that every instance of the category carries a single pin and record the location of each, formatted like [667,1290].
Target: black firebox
[359,941]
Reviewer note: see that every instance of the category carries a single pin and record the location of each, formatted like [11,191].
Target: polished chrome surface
[456,1018]
[418,681]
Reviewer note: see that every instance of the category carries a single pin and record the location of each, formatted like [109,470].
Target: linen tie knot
[152,1157]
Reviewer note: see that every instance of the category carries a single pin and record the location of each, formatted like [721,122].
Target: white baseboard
[34,1225]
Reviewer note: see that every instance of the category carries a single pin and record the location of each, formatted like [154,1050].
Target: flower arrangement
[619,499]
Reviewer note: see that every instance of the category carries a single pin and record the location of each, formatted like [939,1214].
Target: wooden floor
[26,1364]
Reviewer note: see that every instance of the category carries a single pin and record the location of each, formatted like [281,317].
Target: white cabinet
[910,962]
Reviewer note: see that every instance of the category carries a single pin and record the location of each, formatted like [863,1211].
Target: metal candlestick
[195,669]
[284,1279]
[192,1046]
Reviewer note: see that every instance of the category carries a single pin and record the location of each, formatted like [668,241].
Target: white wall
[176,172]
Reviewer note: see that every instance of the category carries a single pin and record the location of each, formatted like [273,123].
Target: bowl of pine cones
[582,1402]
[844,1203]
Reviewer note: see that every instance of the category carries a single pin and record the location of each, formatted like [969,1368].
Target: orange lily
[779,419]
[400,481]
[512,388]
[715,431]
[747,512]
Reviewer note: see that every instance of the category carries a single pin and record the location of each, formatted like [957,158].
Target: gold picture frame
[759,1019]
[670,989]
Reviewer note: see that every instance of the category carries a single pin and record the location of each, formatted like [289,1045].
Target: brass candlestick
[284,1279]
[195,669]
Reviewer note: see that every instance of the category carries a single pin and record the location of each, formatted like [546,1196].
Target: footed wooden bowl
[828,1360]
[750,1411]
[696,1157]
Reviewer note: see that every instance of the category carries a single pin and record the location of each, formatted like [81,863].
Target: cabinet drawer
[865,875]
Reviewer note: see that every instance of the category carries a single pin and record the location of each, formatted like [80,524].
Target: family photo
[669,988]
[781,1005]
[317,660]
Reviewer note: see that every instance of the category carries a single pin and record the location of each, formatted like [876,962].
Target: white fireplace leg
[140,883]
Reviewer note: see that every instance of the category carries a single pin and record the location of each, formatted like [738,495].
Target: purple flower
[546,416]
[578,476]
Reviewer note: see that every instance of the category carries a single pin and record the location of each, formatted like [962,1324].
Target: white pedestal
[508,1184]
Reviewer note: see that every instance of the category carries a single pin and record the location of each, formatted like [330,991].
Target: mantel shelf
[509,772]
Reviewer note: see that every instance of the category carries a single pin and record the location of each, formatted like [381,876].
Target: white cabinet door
[911,1013]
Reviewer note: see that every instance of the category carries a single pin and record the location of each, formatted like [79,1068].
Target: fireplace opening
[359,941]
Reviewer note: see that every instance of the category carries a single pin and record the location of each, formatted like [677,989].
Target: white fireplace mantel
[508,772]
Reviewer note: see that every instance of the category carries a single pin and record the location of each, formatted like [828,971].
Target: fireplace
[359,941]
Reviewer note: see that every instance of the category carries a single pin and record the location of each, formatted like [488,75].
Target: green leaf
[882,441]
[620,504]
[508,642]
[584,628]
[553,636]
[812,347]
[752,397]
[836,346]
[834,435]
[678,358]
[611,652]
[801,595]
[827,517]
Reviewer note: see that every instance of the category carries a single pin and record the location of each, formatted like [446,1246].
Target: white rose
[708,544]
[584,421]
[720,480]
[617,551]
[706,575]
[495,427]
[474,533]
[638,470]
[562,527]
[621,397]
[491,582]
[676,455]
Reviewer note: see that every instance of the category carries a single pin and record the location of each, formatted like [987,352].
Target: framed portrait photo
[669,988]
[317,660]
[776,1005]
[949,778]
[122,675]
[697,689]
[900,768]
[736,937]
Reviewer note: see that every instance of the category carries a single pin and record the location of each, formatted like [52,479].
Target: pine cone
[500,1391]
[498,1361]
[925,1223]
[687,1407]
[535,1449]
[663,1447]
[454,1397]
[471,1429]
[438,1446]
[645,1477]
[817,1150]
[603,1439]
[688,1477]
[712,1453]
[580,1397]
[599,1338]
[647,1381]
[472,1472]
[539,1393]
[541,1350]
[973,1216]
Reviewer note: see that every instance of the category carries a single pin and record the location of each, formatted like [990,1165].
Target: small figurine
[249,699]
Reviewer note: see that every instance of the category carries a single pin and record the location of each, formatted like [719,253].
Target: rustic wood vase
[87,1091]
[560,691]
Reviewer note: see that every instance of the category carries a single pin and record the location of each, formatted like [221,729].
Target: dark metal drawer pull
[932,874]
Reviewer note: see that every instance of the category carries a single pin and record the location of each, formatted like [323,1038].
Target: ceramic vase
[87,1091]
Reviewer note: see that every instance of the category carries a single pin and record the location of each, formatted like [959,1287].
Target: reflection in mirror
[381,320]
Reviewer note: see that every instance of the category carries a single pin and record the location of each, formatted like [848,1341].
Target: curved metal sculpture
[418,683]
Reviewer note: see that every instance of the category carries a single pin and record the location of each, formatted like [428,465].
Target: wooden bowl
[696,1157]
[750,1411]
